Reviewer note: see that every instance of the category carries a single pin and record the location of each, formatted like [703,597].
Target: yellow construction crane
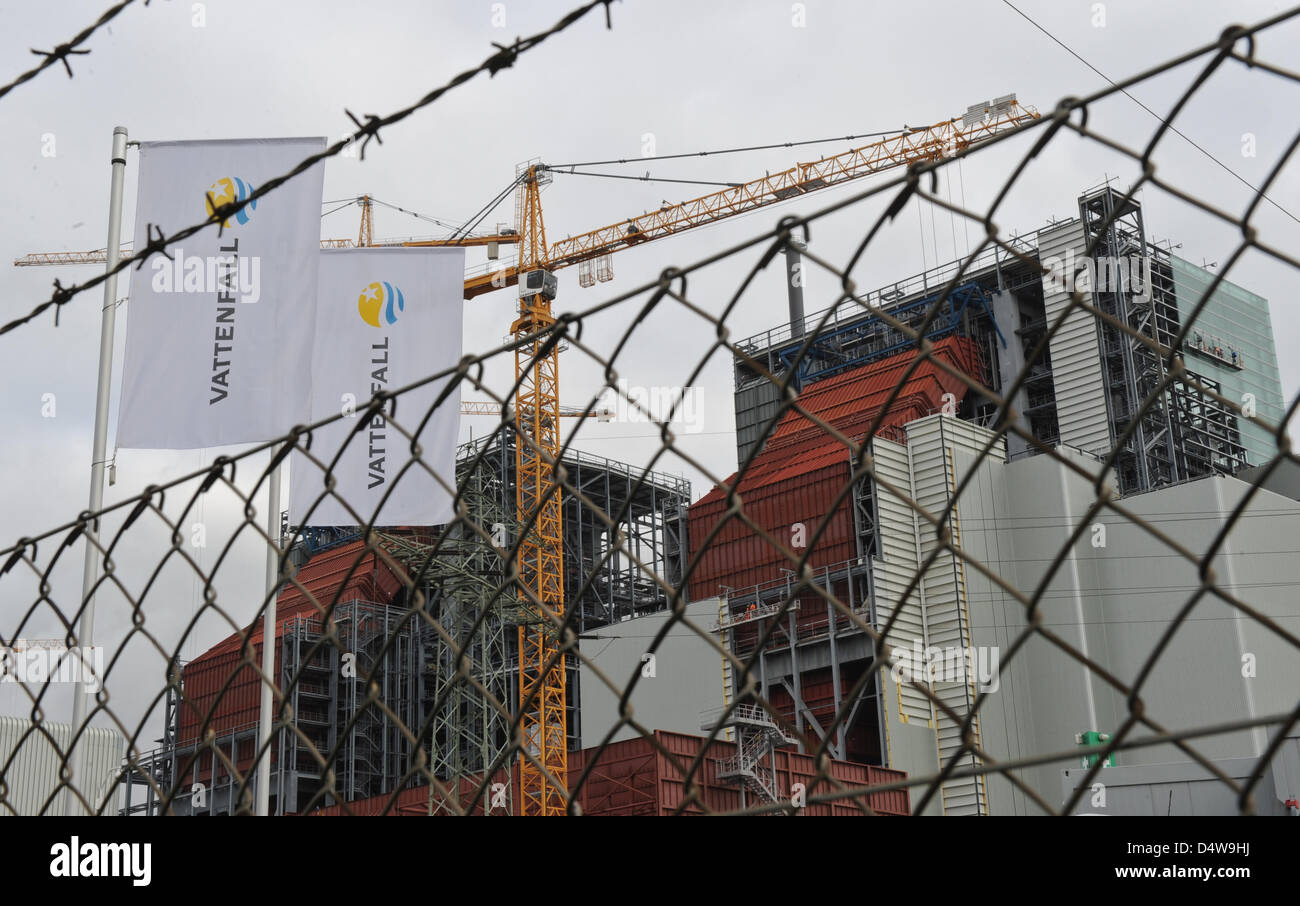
[544,722]
[543,718]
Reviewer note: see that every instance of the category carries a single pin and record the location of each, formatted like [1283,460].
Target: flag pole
[99,447]
[263,785]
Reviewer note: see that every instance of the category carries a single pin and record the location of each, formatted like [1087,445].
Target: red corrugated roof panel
[802,468]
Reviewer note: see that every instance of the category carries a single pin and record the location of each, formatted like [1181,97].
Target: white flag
[218,340]
[385,318]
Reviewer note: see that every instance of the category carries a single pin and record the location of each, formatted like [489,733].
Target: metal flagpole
[90,572]
[263,784]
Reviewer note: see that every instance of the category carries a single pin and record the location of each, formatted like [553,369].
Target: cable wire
[648,178]
[1174,129]
[775,145]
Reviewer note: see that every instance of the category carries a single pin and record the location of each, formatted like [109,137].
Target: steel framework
[1133,371]
[468,689]
[1181,433]
[812,632]
[619,508]
[337,731]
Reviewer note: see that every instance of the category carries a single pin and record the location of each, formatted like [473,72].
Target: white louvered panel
[946,620]
[961,795]
[1076,356]
[896,568]
[33,775]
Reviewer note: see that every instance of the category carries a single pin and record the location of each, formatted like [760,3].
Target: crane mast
[542,697]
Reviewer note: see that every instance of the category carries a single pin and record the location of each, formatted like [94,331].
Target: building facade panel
[1076,353]
[1231,342]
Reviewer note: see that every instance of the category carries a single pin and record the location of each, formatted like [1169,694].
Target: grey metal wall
[1111,598]
[687,677]
[1116,600]
[754,407]
[1187,788]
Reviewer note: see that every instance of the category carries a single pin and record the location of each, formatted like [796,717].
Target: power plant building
[939,459]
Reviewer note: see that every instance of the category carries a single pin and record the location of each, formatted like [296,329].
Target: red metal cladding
[858,394]
[737,556]
[415,801]
[795,480]
[623,779]
[221,688]
[817,689]
[635,777]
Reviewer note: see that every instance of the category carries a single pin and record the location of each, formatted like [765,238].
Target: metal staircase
[758,736]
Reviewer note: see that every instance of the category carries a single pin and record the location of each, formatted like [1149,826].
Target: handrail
[893,294]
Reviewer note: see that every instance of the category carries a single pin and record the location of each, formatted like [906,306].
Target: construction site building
[375,631]
[1110,593]
[934,442]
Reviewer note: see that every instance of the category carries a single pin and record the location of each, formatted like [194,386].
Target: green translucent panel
[1234,319]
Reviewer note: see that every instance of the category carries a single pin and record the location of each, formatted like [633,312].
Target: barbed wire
[61,52]
[504,58]
[426,564]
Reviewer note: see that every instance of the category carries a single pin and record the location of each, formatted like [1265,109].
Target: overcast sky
[682,76]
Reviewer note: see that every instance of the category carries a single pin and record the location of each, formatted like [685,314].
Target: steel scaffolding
[342,741]
[468,689]
[444,655]
[1183,433]
[327,669]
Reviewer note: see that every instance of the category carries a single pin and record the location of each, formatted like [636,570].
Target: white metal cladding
[947,619]
[32,776]
[1076,356]
[896,564]
[936,613]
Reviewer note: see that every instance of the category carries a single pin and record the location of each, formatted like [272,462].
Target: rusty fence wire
[397,667]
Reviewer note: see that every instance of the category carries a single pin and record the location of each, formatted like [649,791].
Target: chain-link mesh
[397,648]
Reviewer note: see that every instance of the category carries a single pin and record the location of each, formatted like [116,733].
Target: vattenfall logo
[380,304]
[230,189]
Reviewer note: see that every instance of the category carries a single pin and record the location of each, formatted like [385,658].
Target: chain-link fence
[1017,461]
